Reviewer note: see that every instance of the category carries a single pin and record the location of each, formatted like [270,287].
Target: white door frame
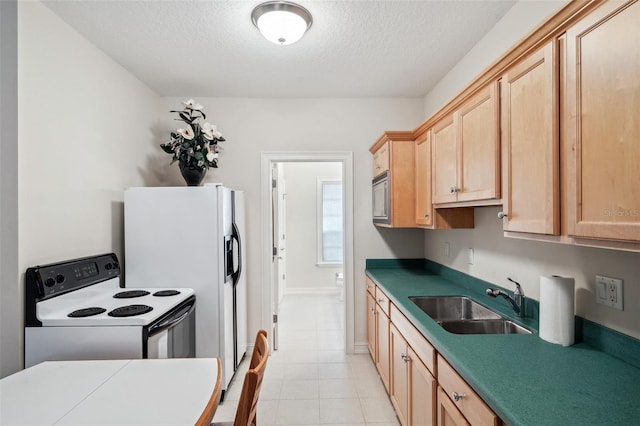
[346,158]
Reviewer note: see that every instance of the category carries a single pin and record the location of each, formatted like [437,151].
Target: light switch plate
[609,292]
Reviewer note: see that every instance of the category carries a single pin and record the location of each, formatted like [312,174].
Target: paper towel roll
[557,323]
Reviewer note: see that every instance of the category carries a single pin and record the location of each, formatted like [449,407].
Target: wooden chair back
[257,354]
[248,404]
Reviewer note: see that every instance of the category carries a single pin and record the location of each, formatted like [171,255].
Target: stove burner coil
[130,294]
[164,293]
[86,312]
[130,311]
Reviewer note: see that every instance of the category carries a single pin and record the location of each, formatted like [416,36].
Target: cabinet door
[381,160]
[530,151]
[382,351]
[478,147]
[371,325]
[399,389]
[448,413]
[424,208]
[444,162]
[602,123]
[422,392]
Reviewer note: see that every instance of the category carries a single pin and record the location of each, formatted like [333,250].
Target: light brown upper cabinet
[602,123]
[444,160]
[529,138]
[424,207]
[393,155]
[466,150]
[381,159]
[426,215]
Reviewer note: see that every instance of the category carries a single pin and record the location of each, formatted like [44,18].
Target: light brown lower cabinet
[462,396]
[448,413]
[371,326]
[382,337]
[422,392]
[407,364]
[412,385]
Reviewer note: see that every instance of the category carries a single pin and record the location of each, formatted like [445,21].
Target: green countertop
[524,379]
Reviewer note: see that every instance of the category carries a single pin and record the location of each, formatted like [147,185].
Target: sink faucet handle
[493,292]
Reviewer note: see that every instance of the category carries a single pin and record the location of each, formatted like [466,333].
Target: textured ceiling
[355,48]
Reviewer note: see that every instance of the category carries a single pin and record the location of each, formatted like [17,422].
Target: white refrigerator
[193,237]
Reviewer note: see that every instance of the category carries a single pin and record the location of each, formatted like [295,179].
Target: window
[329,219]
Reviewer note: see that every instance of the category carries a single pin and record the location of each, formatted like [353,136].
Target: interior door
[275,299]
[278,239]
[282,233]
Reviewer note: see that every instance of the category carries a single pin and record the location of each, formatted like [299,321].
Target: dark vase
[192,175]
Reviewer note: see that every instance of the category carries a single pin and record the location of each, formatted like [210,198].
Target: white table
[115,392]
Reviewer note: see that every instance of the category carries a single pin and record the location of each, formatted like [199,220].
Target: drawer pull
[380,300]
[456,396]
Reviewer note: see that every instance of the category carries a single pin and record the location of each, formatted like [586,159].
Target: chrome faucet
[518,300]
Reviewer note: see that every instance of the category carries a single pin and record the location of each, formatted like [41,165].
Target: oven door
[174,334]
[380,195]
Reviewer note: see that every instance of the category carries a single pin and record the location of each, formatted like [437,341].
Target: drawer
[371,287]
[468,402]
[382,300]
[415,339]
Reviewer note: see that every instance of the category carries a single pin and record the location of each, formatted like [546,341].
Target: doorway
[307,206]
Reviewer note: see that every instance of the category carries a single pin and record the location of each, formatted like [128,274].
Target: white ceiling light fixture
[281,22]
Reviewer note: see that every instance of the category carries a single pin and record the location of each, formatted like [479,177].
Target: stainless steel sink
[488,326]
[453,308]
[462,315]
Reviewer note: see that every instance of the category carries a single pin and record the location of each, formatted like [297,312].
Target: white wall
[303,273]
[523,17]
[497,257]
[10,359]
[252,126]
[86,132]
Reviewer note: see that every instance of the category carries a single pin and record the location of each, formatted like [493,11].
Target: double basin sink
[462,315]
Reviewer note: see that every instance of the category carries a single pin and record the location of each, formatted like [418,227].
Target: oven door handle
[169,322]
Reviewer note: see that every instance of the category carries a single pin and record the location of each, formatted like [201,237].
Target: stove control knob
[59,278]
[108,266]
[49,282]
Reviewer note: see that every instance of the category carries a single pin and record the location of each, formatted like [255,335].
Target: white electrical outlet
[446,250]
[609,292]
[470,254]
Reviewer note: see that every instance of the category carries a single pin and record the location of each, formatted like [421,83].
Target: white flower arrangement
[195,145]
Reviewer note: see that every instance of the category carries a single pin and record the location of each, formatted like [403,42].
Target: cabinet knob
[405,358]
[426,215]
[452,190]
[456,189]
[502,215]
[456,396]
[380,300]
[377,167]
[373,310]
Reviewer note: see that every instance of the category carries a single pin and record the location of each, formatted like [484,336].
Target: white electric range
[77,310]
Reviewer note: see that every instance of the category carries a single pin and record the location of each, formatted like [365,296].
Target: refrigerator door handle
[235,234]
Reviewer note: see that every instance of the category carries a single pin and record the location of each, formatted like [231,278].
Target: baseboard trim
[313,290]
[360,348]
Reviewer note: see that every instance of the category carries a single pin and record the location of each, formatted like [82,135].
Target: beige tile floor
[309,380]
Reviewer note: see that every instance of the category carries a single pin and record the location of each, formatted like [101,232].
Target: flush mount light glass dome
[281,22]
